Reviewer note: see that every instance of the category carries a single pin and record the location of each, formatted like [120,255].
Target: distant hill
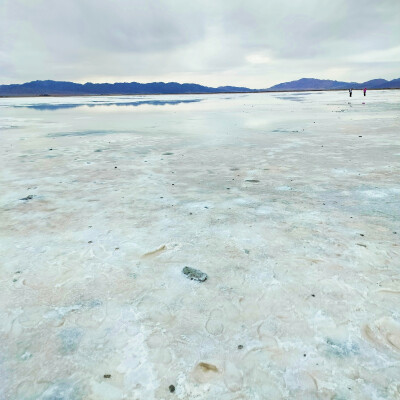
[37,88]
[323,84]
[51,88]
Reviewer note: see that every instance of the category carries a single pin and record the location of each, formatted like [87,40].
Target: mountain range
[60,88]
[324,84]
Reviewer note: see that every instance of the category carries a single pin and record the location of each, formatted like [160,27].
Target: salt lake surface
[290,202]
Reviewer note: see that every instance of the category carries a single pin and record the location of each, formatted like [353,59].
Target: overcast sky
[254,43]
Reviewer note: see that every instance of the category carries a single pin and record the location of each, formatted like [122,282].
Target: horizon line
[186,83]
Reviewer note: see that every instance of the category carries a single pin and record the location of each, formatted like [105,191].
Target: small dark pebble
[107,376]
[313,295]
[395,233]
[50,149]
[90,241]
[115,167]
[304,355]
[14,280]
[361,234]
[206,207]
[240,347]
[30,197]
[252,180]
[117,248]
[360,136]
[171,388]
[191,213]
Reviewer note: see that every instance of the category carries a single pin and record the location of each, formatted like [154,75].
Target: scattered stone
[90,241]
[171,387]
[195,274]
[50,149]
[117,248]
[304,355]
[168,153]
[361,234]
[360,136]
[240,347]
[252,180]
[362,245]
[107,376]
[247,251]
[30,197]
[115,167]
[313,295]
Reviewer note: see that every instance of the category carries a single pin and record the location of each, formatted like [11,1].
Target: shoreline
[194,93]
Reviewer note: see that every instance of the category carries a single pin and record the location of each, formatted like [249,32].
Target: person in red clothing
[365,91]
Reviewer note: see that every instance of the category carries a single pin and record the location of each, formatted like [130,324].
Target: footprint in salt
[158,345]
[214,325]
[153,311]
[267,331]
[233,377]
[264,383]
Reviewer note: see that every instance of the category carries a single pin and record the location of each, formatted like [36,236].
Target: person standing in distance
[365,91]
[350,92]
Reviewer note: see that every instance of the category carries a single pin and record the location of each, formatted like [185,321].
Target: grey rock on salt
[195,274]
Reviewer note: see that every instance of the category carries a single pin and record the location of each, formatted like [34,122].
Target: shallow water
[290,202]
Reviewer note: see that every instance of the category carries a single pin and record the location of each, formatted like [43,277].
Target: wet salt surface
[292,215]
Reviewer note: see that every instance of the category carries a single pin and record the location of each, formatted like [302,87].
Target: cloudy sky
[254,43]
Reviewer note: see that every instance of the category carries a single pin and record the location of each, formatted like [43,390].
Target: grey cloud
[253,42]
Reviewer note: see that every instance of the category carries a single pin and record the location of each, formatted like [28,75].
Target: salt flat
[290,202]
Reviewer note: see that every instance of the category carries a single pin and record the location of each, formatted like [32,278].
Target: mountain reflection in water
[53,107]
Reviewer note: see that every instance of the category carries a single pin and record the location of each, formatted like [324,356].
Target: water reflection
[53,107]
[292,96]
